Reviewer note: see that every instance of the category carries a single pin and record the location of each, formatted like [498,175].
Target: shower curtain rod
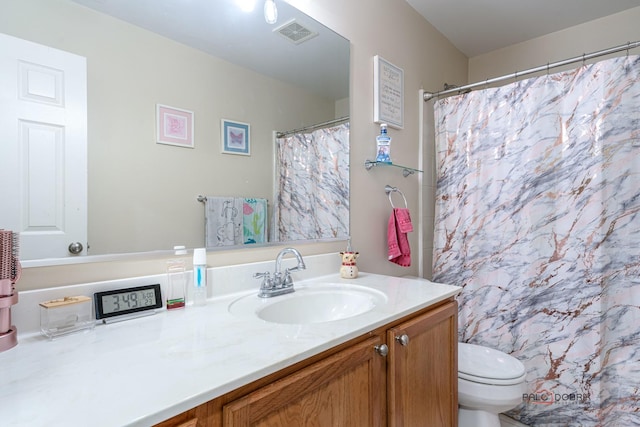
[630,45]
[312,127]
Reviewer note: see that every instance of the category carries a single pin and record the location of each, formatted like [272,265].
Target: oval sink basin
[312,304]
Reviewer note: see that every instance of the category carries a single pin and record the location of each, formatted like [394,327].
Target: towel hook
[389,190]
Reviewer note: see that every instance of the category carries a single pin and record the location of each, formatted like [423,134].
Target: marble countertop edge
[160,366]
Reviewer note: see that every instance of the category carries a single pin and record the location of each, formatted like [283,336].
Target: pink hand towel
[398,243]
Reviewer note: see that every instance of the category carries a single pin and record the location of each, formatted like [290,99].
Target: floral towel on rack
[254,220]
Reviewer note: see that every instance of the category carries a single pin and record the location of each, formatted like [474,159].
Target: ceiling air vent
[295,32]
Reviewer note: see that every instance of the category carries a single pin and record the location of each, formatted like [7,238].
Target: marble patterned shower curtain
[312,194]
[538,218]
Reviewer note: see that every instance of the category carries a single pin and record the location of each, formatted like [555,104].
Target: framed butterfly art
[235,138]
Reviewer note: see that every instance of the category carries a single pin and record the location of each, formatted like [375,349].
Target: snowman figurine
[348,270]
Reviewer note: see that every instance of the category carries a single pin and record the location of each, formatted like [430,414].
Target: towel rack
[201,199]
[390,190]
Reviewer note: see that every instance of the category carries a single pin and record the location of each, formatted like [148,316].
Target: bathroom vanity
[391,364]
[401,374]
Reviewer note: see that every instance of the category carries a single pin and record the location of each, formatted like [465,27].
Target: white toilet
[489,382]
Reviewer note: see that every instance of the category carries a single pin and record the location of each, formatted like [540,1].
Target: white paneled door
[43,148]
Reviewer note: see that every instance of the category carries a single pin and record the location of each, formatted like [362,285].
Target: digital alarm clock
[140,300]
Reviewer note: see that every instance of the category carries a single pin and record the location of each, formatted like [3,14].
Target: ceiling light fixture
[246,5]
[270,11]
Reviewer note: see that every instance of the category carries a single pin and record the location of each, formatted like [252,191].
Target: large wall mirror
[213,60]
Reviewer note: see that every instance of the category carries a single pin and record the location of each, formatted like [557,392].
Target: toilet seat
[488,366]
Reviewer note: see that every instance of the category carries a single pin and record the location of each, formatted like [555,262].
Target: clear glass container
[66,315]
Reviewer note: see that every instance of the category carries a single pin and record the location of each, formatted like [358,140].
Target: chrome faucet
[281,283]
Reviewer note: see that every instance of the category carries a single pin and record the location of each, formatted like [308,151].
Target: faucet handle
[266,279]
[298,267]
[286,280]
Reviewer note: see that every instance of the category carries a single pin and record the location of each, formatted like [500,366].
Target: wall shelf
[406,171]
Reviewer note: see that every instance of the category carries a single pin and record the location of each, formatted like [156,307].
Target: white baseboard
[510,422]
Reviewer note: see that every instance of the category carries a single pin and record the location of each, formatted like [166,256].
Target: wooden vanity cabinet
[358,384]
[345,389]
[200,416]
[423,370]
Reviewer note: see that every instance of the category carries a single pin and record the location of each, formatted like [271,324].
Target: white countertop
[143,371]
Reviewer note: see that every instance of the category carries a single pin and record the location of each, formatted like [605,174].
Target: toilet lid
[487,365]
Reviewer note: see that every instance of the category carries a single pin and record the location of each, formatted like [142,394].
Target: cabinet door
[344,390]
[200,416]
[423,370]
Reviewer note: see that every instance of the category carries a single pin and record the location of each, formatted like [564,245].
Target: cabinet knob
[403,339]
[382,350]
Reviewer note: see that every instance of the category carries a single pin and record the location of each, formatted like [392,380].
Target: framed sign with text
[388,93]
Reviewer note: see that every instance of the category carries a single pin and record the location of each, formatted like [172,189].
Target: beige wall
[599,34]
[373,27]
[143,194]
[428,61]
[393,30]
